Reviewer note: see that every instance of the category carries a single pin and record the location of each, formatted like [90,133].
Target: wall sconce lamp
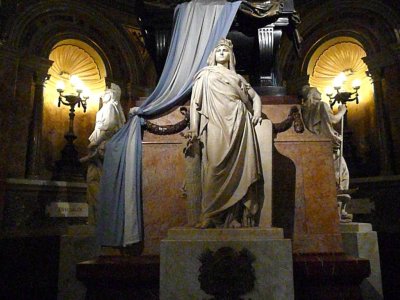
[342,97]
[69,166]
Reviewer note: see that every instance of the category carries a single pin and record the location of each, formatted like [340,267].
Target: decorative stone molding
[387,57]
[60,20]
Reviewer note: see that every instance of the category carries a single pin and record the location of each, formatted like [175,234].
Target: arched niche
[371,23]
[38,27]
[345,55]
[42,25]
[70,57]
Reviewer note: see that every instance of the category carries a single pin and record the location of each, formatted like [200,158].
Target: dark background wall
[29,29]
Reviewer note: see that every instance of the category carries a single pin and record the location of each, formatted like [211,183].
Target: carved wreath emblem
[226,273]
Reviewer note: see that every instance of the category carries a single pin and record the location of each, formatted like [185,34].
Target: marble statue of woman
[319,118]
[109,119]
[224,110]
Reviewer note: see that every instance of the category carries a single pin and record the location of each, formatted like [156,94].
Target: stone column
[377,63]
[383,123]
[33,157]
[36,69]
[8,75]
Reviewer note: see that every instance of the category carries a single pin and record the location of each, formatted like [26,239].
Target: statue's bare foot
[207,223]
[235,224]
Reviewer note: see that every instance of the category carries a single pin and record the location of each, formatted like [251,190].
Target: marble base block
[181,250]
[360,241]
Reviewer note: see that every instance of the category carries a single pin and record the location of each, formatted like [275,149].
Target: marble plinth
[180,252]
[360,241]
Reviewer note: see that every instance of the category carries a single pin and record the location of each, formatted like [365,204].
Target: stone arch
[42,25]
[372,24]
[338,18]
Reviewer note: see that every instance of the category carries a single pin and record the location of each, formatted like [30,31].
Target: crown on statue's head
[225,42]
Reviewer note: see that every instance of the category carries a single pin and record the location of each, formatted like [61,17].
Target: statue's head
[112,94]
[223,52]
[314,94]
[108,96]
[310,94]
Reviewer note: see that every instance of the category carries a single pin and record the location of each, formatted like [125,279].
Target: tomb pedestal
[183,275]
[305,205]
[360,241]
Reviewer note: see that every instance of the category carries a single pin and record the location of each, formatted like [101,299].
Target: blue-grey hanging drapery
[199,25]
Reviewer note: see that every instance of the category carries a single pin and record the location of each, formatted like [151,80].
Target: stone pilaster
[33,156]
[8,77]
[33,71]
[376,65]
[383,123]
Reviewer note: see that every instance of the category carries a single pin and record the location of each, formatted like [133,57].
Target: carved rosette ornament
[226,273]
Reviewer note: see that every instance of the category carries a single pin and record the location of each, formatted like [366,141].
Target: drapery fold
[199,25]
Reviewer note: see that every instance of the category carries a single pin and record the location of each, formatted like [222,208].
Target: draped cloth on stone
[199,25]
[231,164]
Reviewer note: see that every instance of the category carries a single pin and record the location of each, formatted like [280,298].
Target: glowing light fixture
[342,97]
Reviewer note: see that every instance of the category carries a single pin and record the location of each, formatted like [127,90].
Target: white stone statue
[224,110]
[109,119]
[319,118]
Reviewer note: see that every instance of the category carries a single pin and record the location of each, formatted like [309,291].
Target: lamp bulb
[60,86]
[356,84]
[329,91]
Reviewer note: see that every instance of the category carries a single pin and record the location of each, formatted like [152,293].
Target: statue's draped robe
[231,164]
[109,119]
[318,118]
